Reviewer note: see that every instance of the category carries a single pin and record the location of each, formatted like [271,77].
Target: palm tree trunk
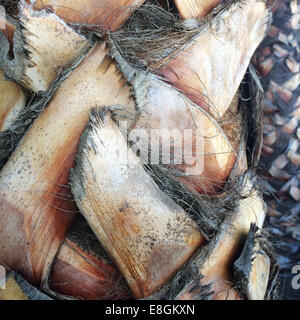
[177,230]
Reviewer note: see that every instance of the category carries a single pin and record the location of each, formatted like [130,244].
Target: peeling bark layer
[43,46]
[158,107]
[145,232]
[35,213]
[209,70]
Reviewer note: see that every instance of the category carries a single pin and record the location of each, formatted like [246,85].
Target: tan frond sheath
[147,234]
[217,259]
[81,275]
[34,213]
[163,104]
[178,215]
[210,68]
[189,9]
[43,46]
[159,106]
[12,101]
[107,14]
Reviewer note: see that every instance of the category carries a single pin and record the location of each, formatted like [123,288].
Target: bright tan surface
[145,232]
[259,275]
[52,46]
[212,67]
[165,108]
[195,8]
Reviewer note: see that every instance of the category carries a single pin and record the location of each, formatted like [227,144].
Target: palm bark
[78,74]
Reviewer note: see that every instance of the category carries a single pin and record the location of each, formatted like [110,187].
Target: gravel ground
[278,61]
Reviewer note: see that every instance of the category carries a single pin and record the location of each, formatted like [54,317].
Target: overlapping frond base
[162,230]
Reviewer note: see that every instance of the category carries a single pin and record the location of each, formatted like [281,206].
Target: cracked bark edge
[34,65]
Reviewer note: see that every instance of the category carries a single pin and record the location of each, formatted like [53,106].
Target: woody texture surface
[149,149]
